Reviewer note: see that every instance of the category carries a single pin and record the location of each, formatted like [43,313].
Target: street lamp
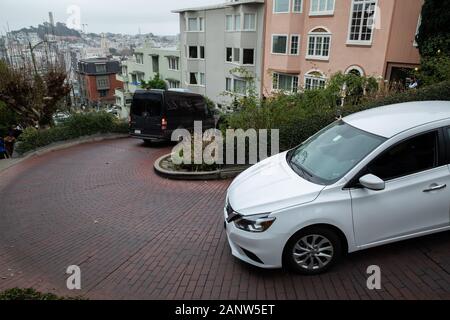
[33,59]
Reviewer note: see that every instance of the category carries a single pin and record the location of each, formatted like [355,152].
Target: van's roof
[391,120]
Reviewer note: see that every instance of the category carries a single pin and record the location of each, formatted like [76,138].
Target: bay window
[281,6]
[279,44]
[321,7]
[286,83]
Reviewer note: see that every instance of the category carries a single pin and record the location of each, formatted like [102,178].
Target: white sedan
[372,178]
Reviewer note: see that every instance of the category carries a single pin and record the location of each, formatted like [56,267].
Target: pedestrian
[414,83]
[10,140]
[3,153]
[17,131]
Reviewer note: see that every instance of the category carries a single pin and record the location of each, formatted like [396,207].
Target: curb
[61,146]
[201,175]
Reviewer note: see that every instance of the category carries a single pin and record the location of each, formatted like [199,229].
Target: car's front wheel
[313,250]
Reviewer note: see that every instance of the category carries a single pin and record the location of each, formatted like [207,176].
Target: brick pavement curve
[137,236]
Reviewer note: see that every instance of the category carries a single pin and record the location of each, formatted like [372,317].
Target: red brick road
[135,235]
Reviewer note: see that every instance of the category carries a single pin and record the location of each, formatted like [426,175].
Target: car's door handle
[435,188]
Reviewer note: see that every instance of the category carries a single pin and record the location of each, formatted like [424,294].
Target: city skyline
[100,16]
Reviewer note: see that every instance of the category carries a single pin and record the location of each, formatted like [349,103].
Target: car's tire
[312,251]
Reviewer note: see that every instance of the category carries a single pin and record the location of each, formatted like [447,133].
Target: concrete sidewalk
[8,163]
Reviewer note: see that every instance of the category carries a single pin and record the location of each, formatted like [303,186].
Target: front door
[417,194]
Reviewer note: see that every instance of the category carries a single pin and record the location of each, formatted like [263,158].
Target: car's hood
[269,186]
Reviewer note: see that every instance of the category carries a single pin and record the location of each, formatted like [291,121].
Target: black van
[155,114]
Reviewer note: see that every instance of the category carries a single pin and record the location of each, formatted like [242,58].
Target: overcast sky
[117,16]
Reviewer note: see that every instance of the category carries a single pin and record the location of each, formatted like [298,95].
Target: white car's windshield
[327,156]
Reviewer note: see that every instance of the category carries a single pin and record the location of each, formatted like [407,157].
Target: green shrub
[27,294]
[31,294]
[76,126]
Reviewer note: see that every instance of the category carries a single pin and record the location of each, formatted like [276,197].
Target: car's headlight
[255,223]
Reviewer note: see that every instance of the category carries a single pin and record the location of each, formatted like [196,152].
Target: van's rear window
[149,105]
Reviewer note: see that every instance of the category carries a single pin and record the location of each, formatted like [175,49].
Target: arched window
[315,80]
[356,70]
[319,43]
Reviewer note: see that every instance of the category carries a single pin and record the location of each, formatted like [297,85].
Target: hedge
[301,116]
[78,125]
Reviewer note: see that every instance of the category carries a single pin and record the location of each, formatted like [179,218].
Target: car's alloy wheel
[313,250]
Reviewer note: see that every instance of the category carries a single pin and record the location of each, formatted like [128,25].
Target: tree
[155,83]
[433,40]
[33,98]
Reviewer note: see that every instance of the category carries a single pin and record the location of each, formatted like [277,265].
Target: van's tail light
[163,124]
[129,120]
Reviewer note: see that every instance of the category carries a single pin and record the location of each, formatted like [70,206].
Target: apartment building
[97,79]
[216,41]
[146,63]
[306,41]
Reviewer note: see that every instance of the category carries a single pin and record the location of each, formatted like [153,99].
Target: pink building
[309,40]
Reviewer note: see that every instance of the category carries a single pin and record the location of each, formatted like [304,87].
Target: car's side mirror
[372,182]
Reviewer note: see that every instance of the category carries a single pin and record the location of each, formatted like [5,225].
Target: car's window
[330,154]
[411,156]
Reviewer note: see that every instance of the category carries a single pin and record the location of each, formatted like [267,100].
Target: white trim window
[297,6]
[362,21]
[321,7]
[319,44]
[229,23]
[281,6]
[174,63]
[197,79]
[295,44]
[279,43]
[202,79]
[240,86]
[284,82]
[249,22]
[237,22]
[248,57]
[196,52]
[228,85]
[315,80]
[173,84]
[233,55]
[237,55]
[195,24]
[237,86]
[355,70]
[229,54]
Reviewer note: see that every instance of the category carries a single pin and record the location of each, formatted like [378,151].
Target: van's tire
[312,251]
[148,143]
